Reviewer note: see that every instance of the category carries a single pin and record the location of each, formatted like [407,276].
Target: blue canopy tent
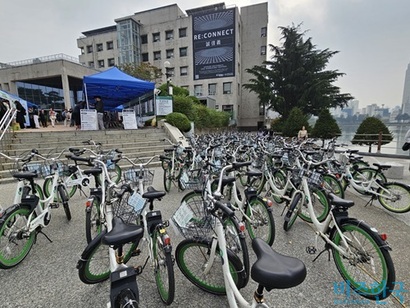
[115,87]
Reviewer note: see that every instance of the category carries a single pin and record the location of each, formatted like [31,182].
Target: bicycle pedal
[311,250]
[136,252]
[138,269]
[54,205]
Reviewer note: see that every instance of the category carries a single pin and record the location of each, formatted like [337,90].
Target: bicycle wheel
[395,197]
[68,181]
[365,175]
[193,256]
[167,179]
[261,223]
[236,242]
[94,265]
[293,212]
[320,205]
[93,220]
[13,246]
[63,196]
[331,183]
[164,268]
[367,268]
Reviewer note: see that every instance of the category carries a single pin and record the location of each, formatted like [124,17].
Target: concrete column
[66,88]
[13,88]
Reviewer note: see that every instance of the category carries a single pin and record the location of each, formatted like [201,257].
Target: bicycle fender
[91,246]
[379,241]
[399,183]
[10,209]
[262,200]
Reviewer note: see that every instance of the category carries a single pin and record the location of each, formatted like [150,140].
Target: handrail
[5,123]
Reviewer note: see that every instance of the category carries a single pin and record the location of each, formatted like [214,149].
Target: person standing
[99,106]
[303,134]
[77,113]
[21,113]
[53,116]
[43,118]
[35,118]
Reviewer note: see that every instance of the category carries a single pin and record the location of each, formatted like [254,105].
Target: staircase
[141,143]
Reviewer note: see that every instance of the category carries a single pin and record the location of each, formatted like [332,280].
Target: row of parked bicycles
[228,184]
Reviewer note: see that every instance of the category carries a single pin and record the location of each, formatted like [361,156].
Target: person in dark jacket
[99,106]
[76,113]
[21,113]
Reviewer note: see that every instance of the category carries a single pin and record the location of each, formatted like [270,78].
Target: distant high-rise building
[405,105]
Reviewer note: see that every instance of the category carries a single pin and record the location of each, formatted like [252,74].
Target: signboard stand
[89,119]
[163,105]
[129,119]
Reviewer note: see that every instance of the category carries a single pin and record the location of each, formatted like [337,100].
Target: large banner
[214,44]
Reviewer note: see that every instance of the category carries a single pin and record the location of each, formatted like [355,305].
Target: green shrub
[179,120]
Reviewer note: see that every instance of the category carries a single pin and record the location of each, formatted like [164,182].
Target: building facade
[205,50]
[405,107]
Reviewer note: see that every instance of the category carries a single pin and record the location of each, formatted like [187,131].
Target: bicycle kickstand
[370,202]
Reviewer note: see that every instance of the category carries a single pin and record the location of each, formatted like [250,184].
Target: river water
[394,147]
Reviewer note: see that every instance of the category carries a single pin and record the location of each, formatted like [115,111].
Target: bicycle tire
[237,244]
[13,248]
[331,183]
[164,268]
[262,223]
[376,280]
[192,255]
[94,265]
[167,179]
[320,204]
[71,190]
[93,221]
[401,194]
[293,212]
[365,174]
[62,192]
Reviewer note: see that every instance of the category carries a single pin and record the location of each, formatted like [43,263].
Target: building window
[182,32]
[157,55]
[183,52]
[144,39]
[263,50]
[170,71]
[185,87]
[169,35]
[183,71]
[111,62]
[82,50]
[170,53]
[89,48]
[198,90]
[99,47]
[145,57]
[227,86]
[91,64]
[156,37]
[110,45]
[212,89]
[263,32]
[100,63]
[227,108]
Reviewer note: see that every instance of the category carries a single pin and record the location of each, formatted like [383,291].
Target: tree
[296,77]
[370,131]
[294,123]
[144,71]
[326,126]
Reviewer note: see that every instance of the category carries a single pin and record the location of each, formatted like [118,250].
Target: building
[406,93]
[205,50]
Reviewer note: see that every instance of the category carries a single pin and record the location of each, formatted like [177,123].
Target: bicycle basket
[129,207]
[192,220]
[315,178]
[134,174]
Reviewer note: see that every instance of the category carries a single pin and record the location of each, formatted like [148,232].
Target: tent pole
[86,95]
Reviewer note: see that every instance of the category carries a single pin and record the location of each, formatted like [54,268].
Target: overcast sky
[372,36]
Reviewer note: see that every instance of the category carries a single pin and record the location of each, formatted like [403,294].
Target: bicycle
[200,259]
[172,164]
[360,253]
[21,222]
[93,269]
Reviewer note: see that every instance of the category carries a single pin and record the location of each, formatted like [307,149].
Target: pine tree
[369,131]
[294,123]
[326,126]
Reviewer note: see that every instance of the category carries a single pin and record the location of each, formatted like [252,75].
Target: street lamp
[168,75]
